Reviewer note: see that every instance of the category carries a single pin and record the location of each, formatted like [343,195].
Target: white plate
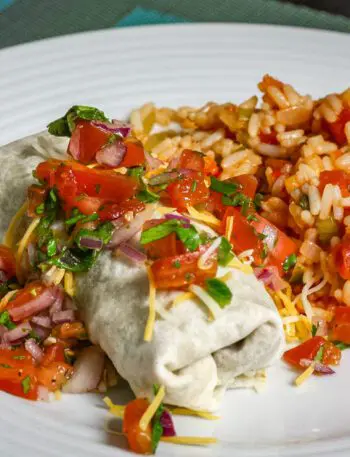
[174,65]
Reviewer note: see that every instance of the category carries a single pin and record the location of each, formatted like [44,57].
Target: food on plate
[179,259]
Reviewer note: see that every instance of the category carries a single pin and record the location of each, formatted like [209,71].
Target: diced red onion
[43,393]
[318,367]
[129,230]
[270,277]
[91,243]
[132,253]
[34,349]
[5,346]
[116,127]
[163,178]
[87,371]
[183,219]
[57,304]
[43,321]
[166,422]
[41,332]
[112,154]
[68,303]
[153,162]
[18,333]
[270,237]
[173,163]
[74,143]
[3,330]
[39,303]
[3,276]
[321,325]
[61,317]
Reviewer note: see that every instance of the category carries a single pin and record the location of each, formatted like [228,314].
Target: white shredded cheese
[203,263]
[211,304]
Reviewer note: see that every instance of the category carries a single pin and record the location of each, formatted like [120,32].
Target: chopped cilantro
[98,188]
[265,251]
[189,237]
[51,247]
[40,209]
[176,264]
[75,260]
[314,329]
[194,186]
[225,254]
[19,357]
[304,202]
[26,384]
[257,200]
[5,365]
[342,346]
[252,217]
[188,277]
[65,125]
[319,355]
[6,320]
[136,172]
[157,429]
[78,216]
[224,187]
[289,262]
[147,196]
[219,291]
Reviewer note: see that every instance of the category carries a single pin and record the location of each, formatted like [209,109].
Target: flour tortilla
[194,358]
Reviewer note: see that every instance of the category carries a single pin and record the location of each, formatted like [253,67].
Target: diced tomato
[32,291]
[164,247]
[181,270]
[341,255]
[211,168]
[268,138]
[340,325]
[188,190]
[69,330]
[306,350]
[140,441]
[191,160]
[7,261]
[87,140]
[17,373]
[248,184]
[214,204]
[54,375]
[135,155]
[337,128]
[73,179]
[110,211]
[53,353]
[86,205]
[36,196]
[331,354]
[338,177]
[248,235]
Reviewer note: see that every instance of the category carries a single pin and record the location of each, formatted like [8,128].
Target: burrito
[197,329]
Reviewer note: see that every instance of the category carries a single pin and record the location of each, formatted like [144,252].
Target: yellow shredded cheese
[180,298]
[116,410]
[193,412]
[229,227]
[58,395]
[152,307]
[121,170]
[226,277]
[9,238]
[203,216]
[189,440]
[22,245]
[292,311]
[6,299]
[165,210]
[151,410]
[238,265]
[69,285]
[92,165]
[305,375]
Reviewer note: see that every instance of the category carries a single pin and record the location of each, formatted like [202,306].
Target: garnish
[78,216]
[157,429]
[147,196]
[314,329]
[219,291]
[257,200]
[304,202]
[225,254]
[342,346]
[177,264]
[290,261]
[319,355]
[74,259]
[65,125]
[6,320]
[226,188]
[26,384]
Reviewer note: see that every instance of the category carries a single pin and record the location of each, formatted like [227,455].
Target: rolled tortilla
[195,358]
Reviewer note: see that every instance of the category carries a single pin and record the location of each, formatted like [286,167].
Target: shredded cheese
[305,375]
[203,216]
[203,263]
[165,210]
[93,165]
[9,238]
[189,440]
[193,412]
[229,227]
[180,298]
[238,265]
[58,395]
[152,307]
[226,277]
[22,245]
[210,303]
[4,301]
[151,410]
[69,285]
[121,170]
[116,410]
[291,309]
